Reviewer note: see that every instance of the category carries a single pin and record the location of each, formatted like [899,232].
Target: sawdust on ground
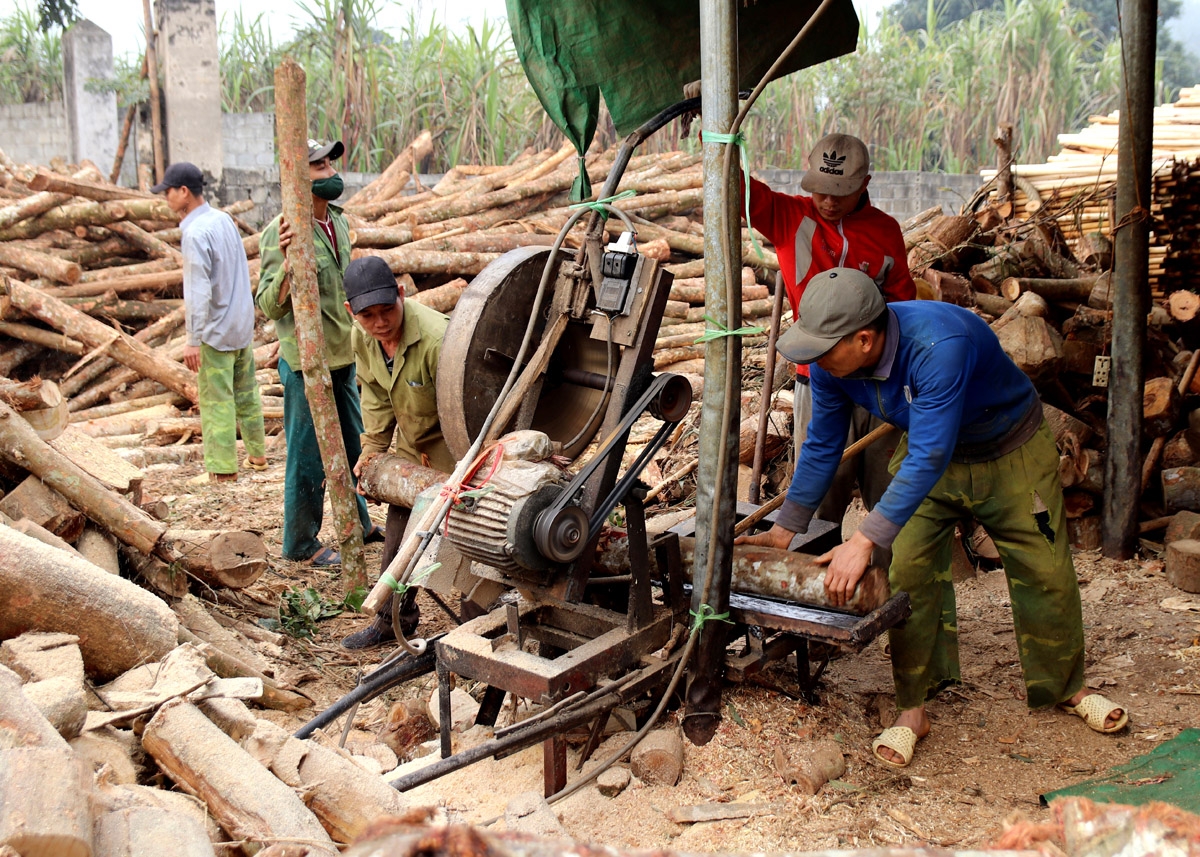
[985,764]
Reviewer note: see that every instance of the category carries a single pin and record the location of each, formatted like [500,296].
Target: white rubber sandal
[898,739]
[1094,709]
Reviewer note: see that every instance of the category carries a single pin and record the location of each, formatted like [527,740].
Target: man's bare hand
[191,357]
[362,460]
[285,234]
[776,537]
[847,564]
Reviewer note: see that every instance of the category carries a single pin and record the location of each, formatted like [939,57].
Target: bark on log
[98,191]
[1181,489]
[144,831]
[292,129]
[231,559]
[240,793]
[404,260]
[21,445]
[152,246]
[38,203]
[792,576]
[44,338]
[1183,525]
[1161,403]
[389,183]
[123,280]
[127,406]
[91,213]
[150,335]
[819,764]
[119,624]
[45,507]
[45,802]
[658,759]
[345,797]
[1076,290]
[34,531]
[443,298]
[1183,564]
[95,334]
[392,479]
[40,264]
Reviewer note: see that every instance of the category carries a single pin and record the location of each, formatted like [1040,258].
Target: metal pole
[719,79]
[1131,288]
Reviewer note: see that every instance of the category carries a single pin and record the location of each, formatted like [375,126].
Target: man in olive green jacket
[304,476]
[396,348]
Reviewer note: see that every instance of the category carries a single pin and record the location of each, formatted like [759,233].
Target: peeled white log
[149,832]
[45,802]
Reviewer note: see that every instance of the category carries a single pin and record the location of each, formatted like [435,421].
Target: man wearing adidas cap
[836,227]
[976,444]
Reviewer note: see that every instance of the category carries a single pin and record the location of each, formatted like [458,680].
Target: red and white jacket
[806,244]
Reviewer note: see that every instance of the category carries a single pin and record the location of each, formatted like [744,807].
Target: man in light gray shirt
[220,325]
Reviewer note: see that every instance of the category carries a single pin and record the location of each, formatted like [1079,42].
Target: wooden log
[1062,423]
[45,803]
[152,246]
[275,695]
[231,559]
[117,272]
[143,831]
[134,422]
[1033,345]
[42,337]
[1183,525]
[94,190]
[195,616]
[21,723]
[120,281]
[951,288]
[109,469]
[1028,305]
[1181,489]
[1076,290]
[391,479]
[91,213]
[1183,305]
[241,794]
[393,179]
[817,765]
[150,335]
[1161,404]
[1085,532]
[14,354]
[127,406]
[992,304]
[291,122]
[405,260]
[119,624]
[1180,451]
[442,298]
[167,580]
[658,759]
[45,507]
[99,548]
[407,726]
[62,703]
[694,294]
[40,264]
[124,348]
[345,797]
[1183,564]
[38,203]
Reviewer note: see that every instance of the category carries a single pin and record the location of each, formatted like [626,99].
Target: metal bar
[1131,291]
[715,495]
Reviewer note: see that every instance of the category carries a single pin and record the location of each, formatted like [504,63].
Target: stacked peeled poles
[1077,188]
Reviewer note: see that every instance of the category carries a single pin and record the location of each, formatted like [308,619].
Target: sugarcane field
[494,434]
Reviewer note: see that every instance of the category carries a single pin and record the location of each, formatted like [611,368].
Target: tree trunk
[45,796]
[119,624]
[45,507]
[1076,290]
[232,559]
[292,129]
[1181,489]
[246,800]
[345,797]
[96,334]
[20,445]
[658,759]
[44,338]
[40,264]
[392,479]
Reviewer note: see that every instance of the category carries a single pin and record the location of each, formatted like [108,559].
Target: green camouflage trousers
[228,400]
[1018,499]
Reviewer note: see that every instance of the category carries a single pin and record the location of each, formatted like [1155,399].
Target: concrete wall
[188,57]
[900,194]
[34,133]
[91,113]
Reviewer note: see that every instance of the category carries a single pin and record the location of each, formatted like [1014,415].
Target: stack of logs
[114,684]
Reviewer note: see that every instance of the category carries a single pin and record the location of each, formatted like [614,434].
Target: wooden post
[291,119]
[155,98]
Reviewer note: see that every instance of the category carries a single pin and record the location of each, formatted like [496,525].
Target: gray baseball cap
[837,165]
[319,151]
[835,302]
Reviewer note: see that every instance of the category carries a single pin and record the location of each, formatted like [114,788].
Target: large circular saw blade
[482,341]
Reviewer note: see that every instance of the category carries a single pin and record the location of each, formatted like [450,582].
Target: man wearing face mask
[304,476]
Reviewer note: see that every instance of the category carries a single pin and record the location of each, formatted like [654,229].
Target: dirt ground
[984,765]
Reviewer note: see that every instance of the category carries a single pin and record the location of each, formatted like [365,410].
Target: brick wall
[34,133]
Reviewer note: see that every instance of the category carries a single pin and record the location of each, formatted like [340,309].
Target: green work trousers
[304,472]
[1018,500]
[229,401]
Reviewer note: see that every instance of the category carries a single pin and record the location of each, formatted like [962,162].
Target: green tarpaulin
[1169,773]
[640,53]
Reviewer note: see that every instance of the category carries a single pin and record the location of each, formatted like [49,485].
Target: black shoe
[368,638]
[375,534]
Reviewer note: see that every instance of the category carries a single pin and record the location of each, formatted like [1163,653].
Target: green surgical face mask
[330,188]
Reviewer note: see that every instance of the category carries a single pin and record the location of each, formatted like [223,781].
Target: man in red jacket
[836,227]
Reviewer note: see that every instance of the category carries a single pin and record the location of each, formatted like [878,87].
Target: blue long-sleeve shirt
[945,379]
[216,281]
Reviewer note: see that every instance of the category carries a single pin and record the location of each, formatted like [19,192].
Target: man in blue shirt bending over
[976,445]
